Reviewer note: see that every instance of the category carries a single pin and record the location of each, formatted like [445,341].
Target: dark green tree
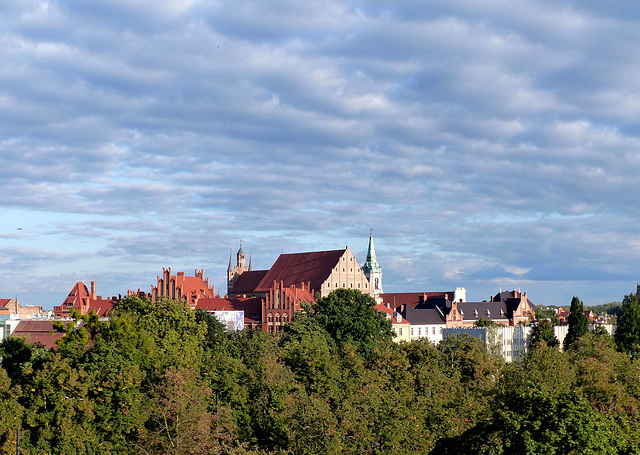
[627,335]
[350,317]
[543,331]
[578,323]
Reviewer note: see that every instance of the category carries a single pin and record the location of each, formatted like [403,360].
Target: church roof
[248,281]
[297,268]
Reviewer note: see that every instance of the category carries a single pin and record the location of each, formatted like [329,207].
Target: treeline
[161,379]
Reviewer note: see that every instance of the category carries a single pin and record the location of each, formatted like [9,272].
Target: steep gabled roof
[297,268]
[248,281]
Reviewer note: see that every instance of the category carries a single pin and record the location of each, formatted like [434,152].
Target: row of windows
[426,331]
[350,285]
[270,317]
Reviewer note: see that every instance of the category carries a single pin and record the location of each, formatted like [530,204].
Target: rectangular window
[400,331]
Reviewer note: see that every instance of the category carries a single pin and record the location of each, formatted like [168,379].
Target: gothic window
[377,281]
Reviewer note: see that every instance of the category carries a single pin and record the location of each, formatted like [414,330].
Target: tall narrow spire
[372,269]
[250,262]
[230,268]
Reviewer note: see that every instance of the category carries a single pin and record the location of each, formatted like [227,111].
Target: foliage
[159,378]
[627,335]
[543,333]
[350,317]
[578,323]
[547,314]
[611,308]
[485,322]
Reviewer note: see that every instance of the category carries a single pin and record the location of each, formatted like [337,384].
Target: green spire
[371,264]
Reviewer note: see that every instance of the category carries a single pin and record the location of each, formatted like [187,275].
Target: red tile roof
[299,268]
[39,332]
[250,306]
[247,282]
[381,307]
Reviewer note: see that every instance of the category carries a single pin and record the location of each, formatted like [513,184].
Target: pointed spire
[250,262]
[230,268]
[371,264]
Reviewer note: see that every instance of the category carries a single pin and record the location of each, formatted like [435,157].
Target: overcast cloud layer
[487,144]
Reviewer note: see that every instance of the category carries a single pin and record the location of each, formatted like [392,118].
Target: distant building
[84,301]
[40,332]
[182,287]
[401,327]
[21,311]
[235,272]
[236,309]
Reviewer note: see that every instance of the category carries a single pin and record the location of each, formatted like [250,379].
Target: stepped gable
[182,287]
[247,282]
[298,268]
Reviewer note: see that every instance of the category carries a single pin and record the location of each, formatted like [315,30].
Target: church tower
[372,269]
[234,272]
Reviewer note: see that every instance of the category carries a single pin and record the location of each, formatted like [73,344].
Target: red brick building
[85,301]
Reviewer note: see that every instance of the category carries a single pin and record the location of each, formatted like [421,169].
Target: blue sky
[489,145]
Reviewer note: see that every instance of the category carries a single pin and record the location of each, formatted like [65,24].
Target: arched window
[270,318]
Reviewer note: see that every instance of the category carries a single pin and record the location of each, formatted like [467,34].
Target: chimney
[93,290]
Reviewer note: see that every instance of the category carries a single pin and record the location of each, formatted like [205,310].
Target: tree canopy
[627,334]
[578,323]
[159,378]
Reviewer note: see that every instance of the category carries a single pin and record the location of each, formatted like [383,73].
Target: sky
[488,145]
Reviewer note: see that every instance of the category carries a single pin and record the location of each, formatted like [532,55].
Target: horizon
[488,145]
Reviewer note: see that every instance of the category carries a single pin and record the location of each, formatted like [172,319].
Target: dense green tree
[543,333]
[10,417]
[627,334]
[578,323]
[350,317]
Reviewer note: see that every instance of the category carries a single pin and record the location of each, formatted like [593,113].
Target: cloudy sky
[489,145]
